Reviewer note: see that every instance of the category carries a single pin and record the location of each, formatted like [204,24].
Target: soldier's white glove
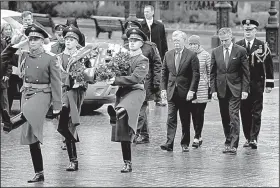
[244,95]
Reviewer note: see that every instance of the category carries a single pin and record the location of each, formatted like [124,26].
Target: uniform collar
[135,53]
[36,53]
[68,52]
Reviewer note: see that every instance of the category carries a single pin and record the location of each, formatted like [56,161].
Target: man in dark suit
[180,77]
[156,33]
[261,76]
[229,83]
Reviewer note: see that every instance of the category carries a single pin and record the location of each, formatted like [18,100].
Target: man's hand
[5,78]
[244,95]
[268,89]
[190,95]
[163,94]
[111,81]
[215,96]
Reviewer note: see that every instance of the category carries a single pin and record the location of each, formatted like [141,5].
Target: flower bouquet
[117,63]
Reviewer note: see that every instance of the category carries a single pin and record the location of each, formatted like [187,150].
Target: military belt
[36,86]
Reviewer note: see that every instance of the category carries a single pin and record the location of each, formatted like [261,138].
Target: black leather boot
[127,167]
[63,123]
[112,113]
[37,178]
[73,166]
[12,123]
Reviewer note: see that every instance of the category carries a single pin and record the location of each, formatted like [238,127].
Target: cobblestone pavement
[100,160]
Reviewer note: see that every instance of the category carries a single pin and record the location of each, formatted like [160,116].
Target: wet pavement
[100,160]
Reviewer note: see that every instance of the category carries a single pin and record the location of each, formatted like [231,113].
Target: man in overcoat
[261,76]
[229,80]
[155,32]
[180,78]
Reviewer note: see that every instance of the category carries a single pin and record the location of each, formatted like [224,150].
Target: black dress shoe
[73,166]
[127,167]
[185,149]
[37,178]
[166,147]
[254,144]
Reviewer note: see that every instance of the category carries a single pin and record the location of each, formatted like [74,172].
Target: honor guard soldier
[261,76]
[152,83]
[59,46]
[41,85]
[129,97]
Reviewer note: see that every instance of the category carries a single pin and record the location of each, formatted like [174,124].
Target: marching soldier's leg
[72,153]
[246,118]
[126,151]
[37,160]
[63,122]
[256,120]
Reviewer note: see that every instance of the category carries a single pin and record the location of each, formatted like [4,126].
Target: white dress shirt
[149,23]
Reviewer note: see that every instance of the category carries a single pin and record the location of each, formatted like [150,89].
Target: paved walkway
[100,160]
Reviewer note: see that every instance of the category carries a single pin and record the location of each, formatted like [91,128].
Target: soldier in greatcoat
[41,85]
[152,84]
[57,48]
[129,97]
[73,95]
[261,76]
